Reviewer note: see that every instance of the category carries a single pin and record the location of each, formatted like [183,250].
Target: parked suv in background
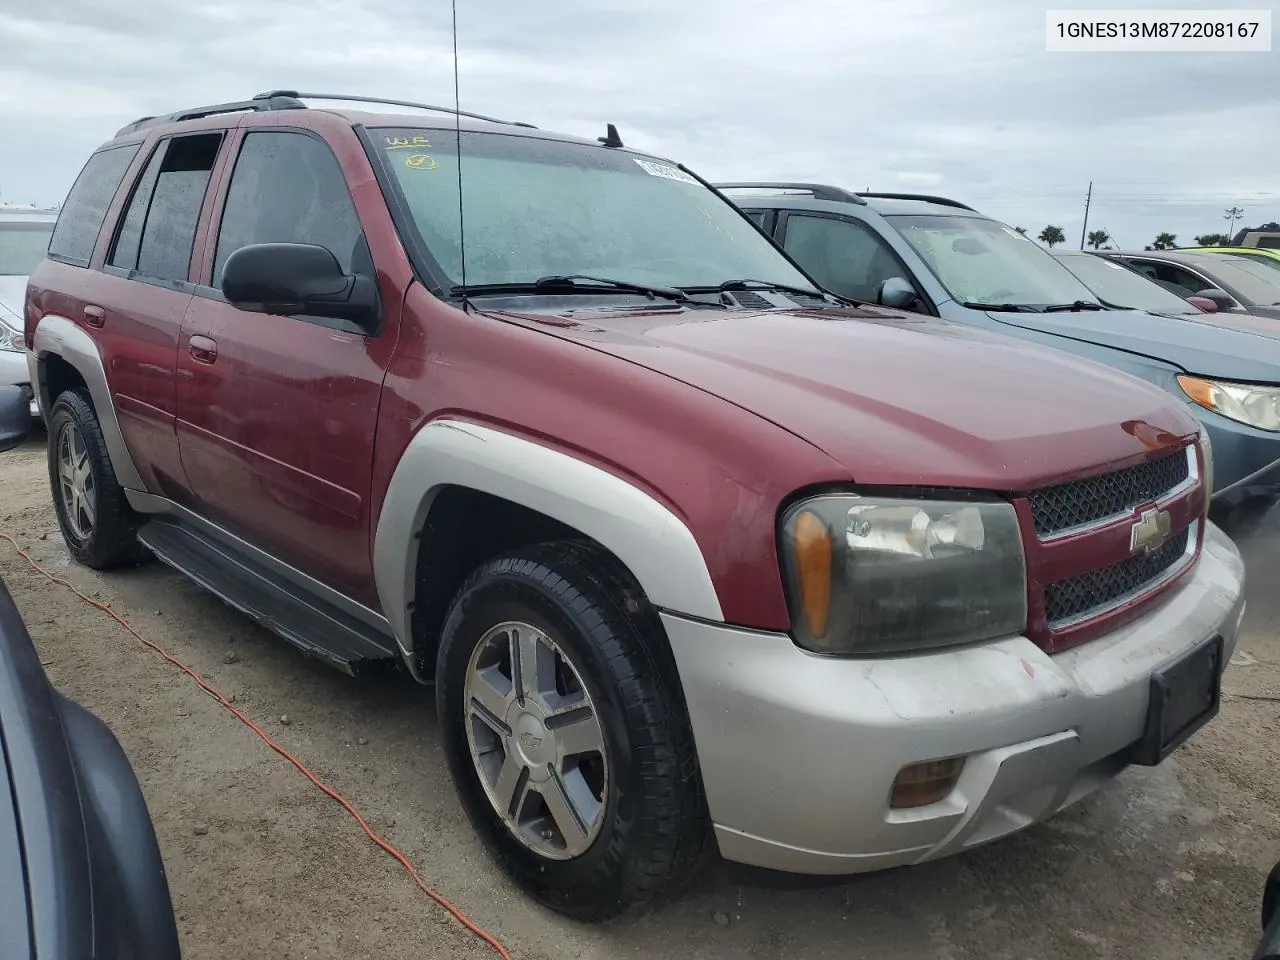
[690,549]
[941,257]
[24,238]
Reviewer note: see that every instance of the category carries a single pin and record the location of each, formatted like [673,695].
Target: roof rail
[292,100]
[818,190]
[943,201]
[273,101]
[295,95]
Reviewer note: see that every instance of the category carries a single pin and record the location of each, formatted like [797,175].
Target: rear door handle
[94,315]
[202,349]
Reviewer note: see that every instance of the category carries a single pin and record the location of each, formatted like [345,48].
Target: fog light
[924,783]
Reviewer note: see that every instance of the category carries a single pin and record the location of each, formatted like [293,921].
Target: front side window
[288,188]
[980,261]
[23,244]
[86,207]
[536,208]
[843,256]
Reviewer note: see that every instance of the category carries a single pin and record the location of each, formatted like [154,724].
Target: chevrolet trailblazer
[696,556]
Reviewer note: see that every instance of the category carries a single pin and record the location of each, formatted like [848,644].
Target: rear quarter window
[86,206]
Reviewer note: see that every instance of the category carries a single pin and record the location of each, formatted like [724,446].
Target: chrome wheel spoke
[488,702]
[536,663]
[577,731]
[510,787]
[566,816]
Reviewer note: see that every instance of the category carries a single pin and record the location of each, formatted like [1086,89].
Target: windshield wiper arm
[1000,307]
[1071,307]
[572,280]
[573,283]
[751,284]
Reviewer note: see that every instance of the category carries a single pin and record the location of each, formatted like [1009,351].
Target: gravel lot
[1165,863]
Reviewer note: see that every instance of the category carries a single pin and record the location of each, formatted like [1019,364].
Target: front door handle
[202,349]
[94,315]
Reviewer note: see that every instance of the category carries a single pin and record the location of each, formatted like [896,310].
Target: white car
[24,239]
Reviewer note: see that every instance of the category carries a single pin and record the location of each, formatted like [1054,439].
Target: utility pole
[1232,214]
[1087,198]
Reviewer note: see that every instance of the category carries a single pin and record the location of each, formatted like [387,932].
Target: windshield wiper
[750,284]
[1071,307]
[1000,307]
[573,279]
[574,283]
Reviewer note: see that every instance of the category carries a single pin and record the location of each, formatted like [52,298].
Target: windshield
[536,208]
[22,246]
[1118,285]
[1255,282]
[1265,259]
[982,261]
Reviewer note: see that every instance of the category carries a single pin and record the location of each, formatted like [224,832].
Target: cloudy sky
[948,96]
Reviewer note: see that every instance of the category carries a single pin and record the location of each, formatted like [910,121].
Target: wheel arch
[452,470]
[67,357]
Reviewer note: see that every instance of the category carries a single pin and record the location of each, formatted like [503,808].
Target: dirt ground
[1165,863]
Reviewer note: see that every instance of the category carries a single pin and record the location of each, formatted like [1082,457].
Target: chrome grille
[1082,502]
[1091,592]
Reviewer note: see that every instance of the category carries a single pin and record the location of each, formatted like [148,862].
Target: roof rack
[394,103]
[268,101]
[943,201]
[818,190]
[292,100]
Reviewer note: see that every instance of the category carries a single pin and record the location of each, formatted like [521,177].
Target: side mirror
[289,279]
[1204,303]
[1221,298]
[15,417]
[896,293]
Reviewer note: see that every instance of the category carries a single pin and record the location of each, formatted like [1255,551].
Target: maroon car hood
[901,399]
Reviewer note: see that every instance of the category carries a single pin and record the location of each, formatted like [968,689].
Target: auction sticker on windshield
[664,170]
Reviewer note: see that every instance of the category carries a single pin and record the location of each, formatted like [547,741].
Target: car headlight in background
[11,340]
[876,575]
[1255,405]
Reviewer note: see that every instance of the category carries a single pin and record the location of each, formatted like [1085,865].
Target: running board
[317,628]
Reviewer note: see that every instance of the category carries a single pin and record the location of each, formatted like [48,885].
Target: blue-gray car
[937,256]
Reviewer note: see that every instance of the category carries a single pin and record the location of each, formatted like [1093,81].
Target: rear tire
[99,527]
[614,760]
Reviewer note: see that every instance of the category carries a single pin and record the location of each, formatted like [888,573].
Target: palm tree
[1213,240]
[1052,236]
[1165,241]
[1098,239]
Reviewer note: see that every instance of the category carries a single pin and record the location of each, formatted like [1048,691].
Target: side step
[317,628]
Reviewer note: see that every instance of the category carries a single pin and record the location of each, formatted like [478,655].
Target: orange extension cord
[262,735]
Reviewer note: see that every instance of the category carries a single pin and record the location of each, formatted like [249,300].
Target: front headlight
[874,575]
[1257,406]
[11,340]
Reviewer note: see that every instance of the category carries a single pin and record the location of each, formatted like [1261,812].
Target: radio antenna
[457,130]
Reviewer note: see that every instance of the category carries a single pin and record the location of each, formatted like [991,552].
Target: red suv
[694,554]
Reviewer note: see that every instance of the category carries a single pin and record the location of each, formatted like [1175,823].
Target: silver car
[24,238]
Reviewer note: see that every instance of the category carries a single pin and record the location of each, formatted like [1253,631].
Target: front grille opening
[1082,502]
[1077,597]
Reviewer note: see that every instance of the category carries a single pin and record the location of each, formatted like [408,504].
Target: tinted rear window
[86,207]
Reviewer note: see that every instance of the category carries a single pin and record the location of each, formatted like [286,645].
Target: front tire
[566,732]
[96,521]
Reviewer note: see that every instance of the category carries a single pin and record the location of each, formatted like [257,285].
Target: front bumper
[798,752]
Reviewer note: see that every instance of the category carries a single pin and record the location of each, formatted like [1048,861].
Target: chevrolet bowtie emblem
[1151,531]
